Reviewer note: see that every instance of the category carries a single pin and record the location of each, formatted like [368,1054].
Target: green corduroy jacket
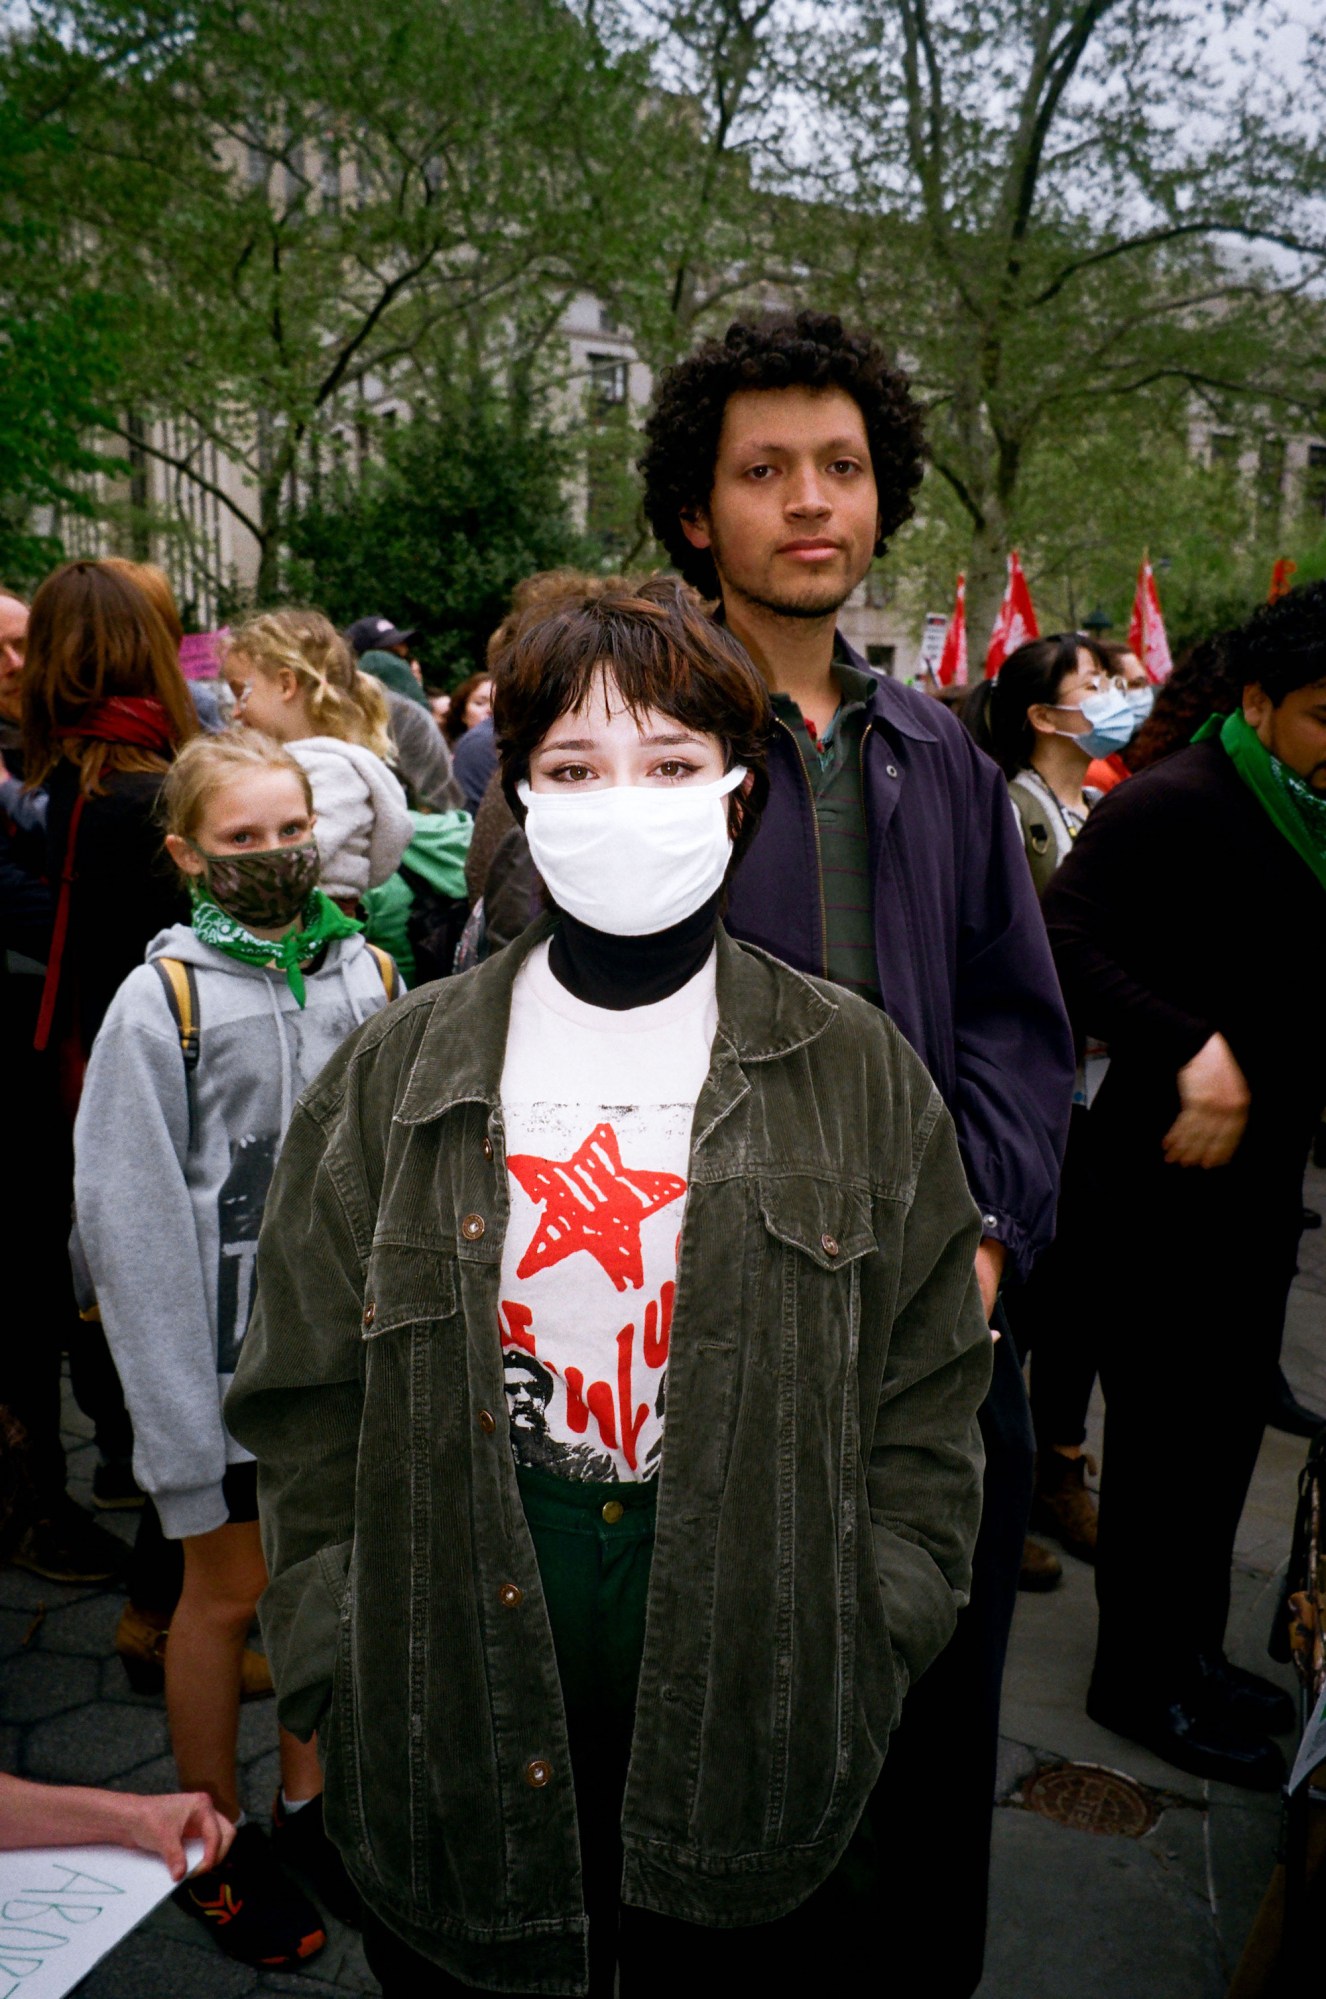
[819,1493]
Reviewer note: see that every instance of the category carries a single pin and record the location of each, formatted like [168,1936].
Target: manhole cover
[1090,1798]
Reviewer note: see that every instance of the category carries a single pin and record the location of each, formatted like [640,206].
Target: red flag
[1016,622]
[953,659]
[1146,627]
[1280,584]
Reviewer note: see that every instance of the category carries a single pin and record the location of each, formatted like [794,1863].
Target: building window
[331,179]
[1270,474]
[882,657]
[1314,486]
[607,382]
[607,319]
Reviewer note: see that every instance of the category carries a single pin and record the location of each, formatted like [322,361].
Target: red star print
[592,1202]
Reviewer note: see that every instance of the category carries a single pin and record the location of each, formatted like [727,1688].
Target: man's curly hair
[809,350]
[1283,645]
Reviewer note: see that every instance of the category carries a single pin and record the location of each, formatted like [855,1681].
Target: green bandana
[1291,804]
[323,921]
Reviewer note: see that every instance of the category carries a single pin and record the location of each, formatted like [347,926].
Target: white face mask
[631,859]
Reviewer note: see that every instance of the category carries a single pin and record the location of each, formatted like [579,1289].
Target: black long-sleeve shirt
[1182,912]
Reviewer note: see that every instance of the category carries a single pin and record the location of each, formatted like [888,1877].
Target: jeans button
[613,1511]
[473,1227]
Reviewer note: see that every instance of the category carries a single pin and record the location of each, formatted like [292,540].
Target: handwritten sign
[62,1908]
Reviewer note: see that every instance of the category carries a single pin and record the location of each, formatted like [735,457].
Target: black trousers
[1058,1315]
[1187,1371]
[931,1811]
[39,1201]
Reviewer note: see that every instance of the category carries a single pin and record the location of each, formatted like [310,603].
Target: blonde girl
[293,678]
[176,1138]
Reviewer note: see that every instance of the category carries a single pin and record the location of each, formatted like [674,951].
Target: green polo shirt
[832,765]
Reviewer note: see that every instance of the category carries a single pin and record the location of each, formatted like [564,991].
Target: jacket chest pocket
[406,1285]
[820,1230]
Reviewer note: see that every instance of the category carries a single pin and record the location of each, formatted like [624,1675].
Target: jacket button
[537,1773]
[613,1511]
[487,1422]
[829,1244]
[473,1227]
[990,1221]
[892,769]
[370,1313]
[510,1596]
[488,1148]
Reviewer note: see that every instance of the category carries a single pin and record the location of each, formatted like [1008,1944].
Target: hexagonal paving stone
[86,1627]
[150,1966]
[35,1685]
[91,1744]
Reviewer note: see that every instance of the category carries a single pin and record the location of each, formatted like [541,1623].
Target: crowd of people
[604,1365]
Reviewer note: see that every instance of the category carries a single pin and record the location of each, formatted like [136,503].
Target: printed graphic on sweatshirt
[589,1275]
[239,1210]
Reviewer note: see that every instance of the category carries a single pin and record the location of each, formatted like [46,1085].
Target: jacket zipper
[819,857]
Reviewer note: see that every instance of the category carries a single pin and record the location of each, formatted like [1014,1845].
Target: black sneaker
[301,1843]
[252,1907]
[114,1487]
[71,1548]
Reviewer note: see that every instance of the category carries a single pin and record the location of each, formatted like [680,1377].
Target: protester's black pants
[932,1809]
[1187,1371]
[1057,1314]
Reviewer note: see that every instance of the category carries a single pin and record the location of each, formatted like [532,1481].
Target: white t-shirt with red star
[598,1108]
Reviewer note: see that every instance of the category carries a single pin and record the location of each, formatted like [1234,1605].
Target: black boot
[1287,1413]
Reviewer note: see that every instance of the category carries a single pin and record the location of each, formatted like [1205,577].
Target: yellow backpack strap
[181,989]
[387,972]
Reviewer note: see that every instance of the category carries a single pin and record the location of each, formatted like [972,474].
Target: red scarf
[136,719]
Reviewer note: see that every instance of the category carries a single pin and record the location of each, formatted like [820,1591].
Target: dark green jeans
[594,1545]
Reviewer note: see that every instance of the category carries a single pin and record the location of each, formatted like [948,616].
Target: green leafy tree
[439,530]
[307,207]
[59,355]
[1056,210]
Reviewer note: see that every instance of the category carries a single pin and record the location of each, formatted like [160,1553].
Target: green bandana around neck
[1293,807]
[323,922]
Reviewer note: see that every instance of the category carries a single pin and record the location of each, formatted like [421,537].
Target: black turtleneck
[622,972]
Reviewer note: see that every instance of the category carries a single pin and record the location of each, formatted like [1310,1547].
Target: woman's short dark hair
[809,350]
[1032,675]
[661,651]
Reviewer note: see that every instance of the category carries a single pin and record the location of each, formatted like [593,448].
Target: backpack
[180,984]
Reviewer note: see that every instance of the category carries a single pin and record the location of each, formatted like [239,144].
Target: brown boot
[1040,1569]
[1063,1506]
[140,1640]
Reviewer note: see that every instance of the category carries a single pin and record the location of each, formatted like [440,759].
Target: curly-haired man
[779,461]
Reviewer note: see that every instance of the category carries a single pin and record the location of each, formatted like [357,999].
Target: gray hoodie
[170,1178]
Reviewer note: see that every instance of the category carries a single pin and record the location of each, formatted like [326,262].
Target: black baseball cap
[367,634]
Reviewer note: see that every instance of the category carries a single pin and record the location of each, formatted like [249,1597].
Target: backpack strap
[387,972]
[181,988]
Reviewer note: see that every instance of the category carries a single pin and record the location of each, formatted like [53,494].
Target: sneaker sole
[118,1505]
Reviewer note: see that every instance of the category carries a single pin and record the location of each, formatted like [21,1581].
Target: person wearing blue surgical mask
[1055,706]
[1058,704]
[1104,773]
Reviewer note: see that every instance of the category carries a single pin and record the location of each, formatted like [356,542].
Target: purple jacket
[964,964]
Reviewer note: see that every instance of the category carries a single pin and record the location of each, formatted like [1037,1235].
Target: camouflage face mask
[262,891]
